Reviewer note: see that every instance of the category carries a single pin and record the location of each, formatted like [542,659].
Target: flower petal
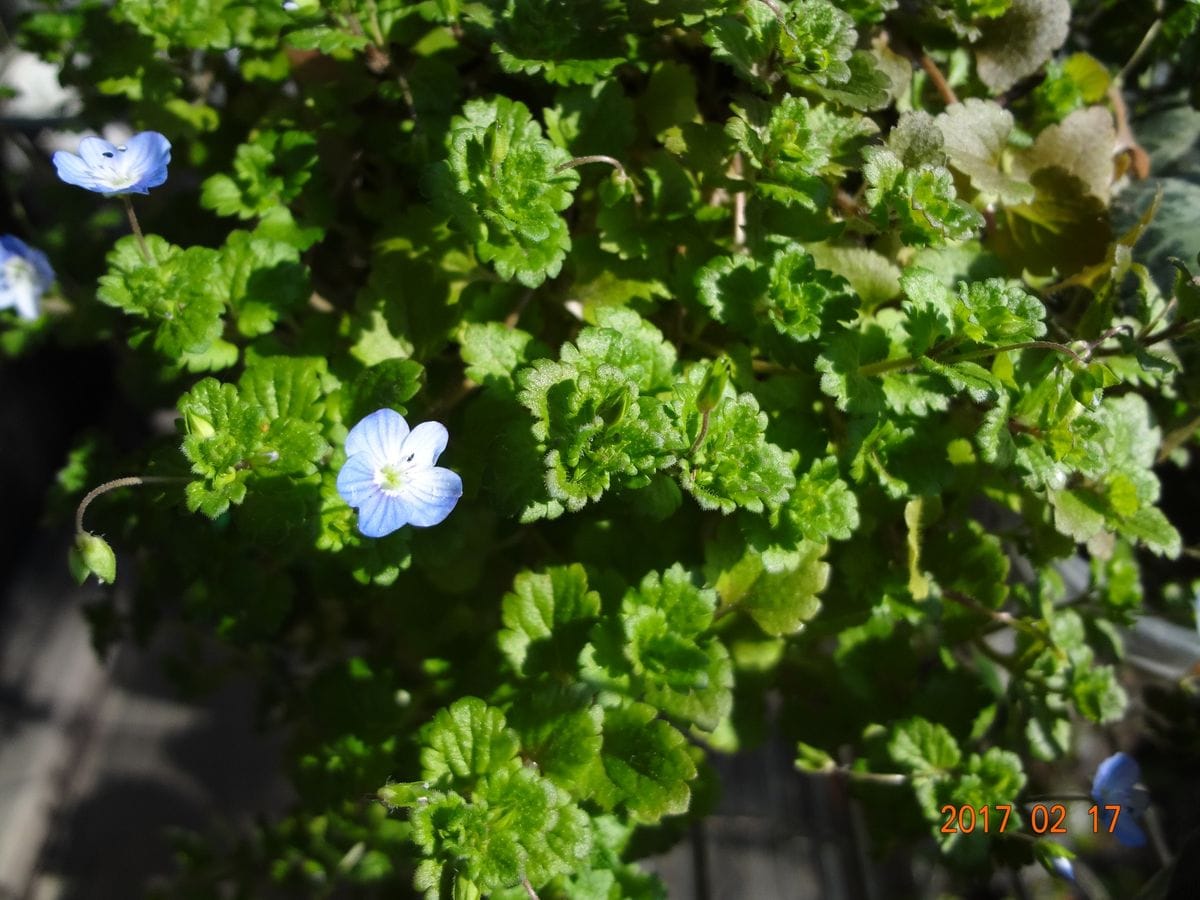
[24,300]
[380,515]
[1128,832]
[73,170]
[98,153]
[1115,778]
[146,155]
[356,480]
[379,435]
[431,494]
[425,444]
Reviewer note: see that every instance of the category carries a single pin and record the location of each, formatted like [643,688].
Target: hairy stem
[907,362]
[128,481]
[594,158]
[137,229]
[702,435]
[940,84]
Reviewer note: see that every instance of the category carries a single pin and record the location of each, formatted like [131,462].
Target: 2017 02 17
[1043,818]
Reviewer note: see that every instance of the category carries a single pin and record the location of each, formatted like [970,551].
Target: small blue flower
[390,476]
[1064,868]
[1116,784]
[130,168]
[25,275]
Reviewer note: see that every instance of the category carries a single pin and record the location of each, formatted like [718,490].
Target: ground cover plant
[554,381]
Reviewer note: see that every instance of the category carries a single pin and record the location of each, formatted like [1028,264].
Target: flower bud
[92,555]
[712,388]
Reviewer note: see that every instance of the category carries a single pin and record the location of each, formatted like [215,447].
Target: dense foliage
[786,347]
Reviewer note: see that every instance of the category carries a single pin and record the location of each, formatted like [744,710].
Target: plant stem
[528,888]
[1147,39]
[128,481]
[940,84]
[594,158]
[137,229]
[905,362]
[739,208]
[702,435]
[873,777]
[1024,345]
[995,615]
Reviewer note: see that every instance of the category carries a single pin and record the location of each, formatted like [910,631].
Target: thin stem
[905,362]
[940,84]
[376,29]
[995,615]
[1177,437]
[702,435]
[1162,314]
[1024,345]
[529,888]
[129,481]
[511,320]
[137,229]
[872,777]
[1147,39]
[594,158]
[739,208]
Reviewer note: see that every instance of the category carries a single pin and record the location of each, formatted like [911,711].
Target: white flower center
[390,477]
[17,271]
[116,174]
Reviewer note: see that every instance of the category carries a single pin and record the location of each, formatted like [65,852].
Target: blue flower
[25,274]
[131,168]
[1063,868]
[390,476]
[1116,784]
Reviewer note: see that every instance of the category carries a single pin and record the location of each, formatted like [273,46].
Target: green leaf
[566,41]
[560,733]
[179,293]
[791,141]
[920,201]
[545,617]
[867,86]
[781,602]
[264,280]
[493,353]
[923,748]
[822,507]
[677,670]
[1097,694]
[1076,146]
[465,741]
[268,173]
[1021,41]
[815,42]
[789,294]
[516,826]
[976,138]
[269,423]
[1063,229]
[732,465]
[998,312]
[624,340]
[502,184]
[872,276]
[388,384]
[646,765]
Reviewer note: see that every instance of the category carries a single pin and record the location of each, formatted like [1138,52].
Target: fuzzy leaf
[541,616]
[501,184]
